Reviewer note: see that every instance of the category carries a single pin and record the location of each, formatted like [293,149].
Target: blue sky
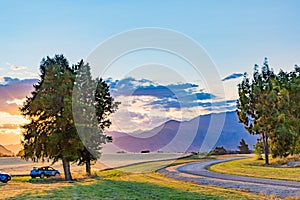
[235,34]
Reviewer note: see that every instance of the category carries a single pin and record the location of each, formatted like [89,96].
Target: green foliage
[258,149]
[254,103]
[51,132]
[269,105]
[286,135]
[92,105]
[218,151]
[243,148]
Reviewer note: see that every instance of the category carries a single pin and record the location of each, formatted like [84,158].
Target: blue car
[43,172]
[4,177]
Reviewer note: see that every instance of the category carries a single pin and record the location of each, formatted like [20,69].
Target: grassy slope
[254,168]
[124,184]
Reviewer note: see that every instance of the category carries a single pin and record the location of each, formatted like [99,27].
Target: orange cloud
[9,126]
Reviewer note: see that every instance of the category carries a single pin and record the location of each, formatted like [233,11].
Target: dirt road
[197,172]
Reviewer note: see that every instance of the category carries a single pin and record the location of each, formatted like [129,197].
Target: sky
[234,34]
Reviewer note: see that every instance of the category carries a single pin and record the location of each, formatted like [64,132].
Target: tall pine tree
[269,105]
[92,105]
[50,132]
[254,107]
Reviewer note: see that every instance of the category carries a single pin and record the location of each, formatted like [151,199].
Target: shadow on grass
[46,180]
[2,184]
[112,189]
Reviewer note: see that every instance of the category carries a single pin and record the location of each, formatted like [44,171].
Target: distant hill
[186,136]
[15,148]
[5,152]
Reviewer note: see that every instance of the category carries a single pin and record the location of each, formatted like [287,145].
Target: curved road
[197,172]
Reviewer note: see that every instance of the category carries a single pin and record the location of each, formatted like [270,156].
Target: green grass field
[255,168]
[125,183]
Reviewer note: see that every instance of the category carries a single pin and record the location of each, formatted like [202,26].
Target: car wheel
[42,176]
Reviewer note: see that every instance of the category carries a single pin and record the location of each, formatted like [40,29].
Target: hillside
[5,152]
[15,148]
[186,136]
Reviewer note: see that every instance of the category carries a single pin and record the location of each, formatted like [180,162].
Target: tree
[92,105]
[254,106]
[286,135]
[258,149]
[244,147]
[218,151]
[269,105]
[50,132]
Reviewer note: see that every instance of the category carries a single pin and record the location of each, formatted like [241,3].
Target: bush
[258,149]
[218,151]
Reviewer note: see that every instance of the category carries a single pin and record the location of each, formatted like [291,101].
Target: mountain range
[198,134]
[5,152]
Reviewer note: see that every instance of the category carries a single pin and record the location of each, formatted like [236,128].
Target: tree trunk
[67,171]
[266,148]
[88,167]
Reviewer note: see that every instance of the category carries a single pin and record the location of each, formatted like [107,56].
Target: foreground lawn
[125,183]
[115,184]
[255,168]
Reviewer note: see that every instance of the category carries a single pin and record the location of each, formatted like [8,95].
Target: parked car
[4,177]
[43,172]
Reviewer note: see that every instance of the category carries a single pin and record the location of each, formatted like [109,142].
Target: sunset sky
[153,86]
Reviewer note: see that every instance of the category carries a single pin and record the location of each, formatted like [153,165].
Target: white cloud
[19,102]
[16,67]
[146,104]
[6,118]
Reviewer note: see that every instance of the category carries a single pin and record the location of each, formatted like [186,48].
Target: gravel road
[197,172]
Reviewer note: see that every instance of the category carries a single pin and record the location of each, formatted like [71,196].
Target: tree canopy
[243,147]
[268,105]
[51,132]
[92,105]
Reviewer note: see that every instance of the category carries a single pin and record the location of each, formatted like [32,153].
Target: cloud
[16,67]
[13,91]
[146,104]
[9,126]
[233,76]
[19,102]
[133,87]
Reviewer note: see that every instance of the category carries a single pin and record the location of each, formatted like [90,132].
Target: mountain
[15,148]
[198,134]
[5,152]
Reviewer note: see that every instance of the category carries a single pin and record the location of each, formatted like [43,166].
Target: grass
[255,168]
[116,184]
[284,161]
[126,183]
